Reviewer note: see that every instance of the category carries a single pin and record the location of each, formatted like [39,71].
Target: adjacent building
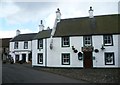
[21,47]
[4,48]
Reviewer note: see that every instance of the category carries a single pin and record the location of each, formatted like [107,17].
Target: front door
[88,60]
[30,57]
[24,57]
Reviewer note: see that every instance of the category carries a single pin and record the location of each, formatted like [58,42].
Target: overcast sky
[26,16]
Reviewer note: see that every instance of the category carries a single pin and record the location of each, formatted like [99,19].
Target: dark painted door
[88,60]
[30,57]
[24,57]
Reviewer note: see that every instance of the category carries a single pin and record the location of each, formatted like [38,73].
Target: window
[25,45]
[109,58]
[108,40]
[65,42]
[87,41]
[40,43]
[40,58]
[66,59]
[16,45]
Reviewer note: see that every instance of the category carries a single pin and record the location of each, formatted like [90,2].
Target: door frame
[88,49]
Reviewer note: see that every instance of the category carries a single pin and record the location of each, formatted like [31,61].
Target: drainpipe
[45,52]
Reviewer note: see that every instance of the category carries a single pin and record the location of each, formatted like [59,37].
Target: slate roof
[105,24]
[43,34]
[24,37]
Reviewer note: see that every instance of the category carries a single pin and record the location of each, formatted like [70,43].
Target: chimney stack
[58,15]
[91,12]
[17,32]
[41,26]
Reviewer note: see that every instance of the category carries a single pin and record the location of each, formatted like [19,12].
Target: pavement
[18,73]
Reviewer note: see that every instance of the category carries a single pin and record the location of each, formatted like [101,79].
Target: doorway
[88,63]
[24,58]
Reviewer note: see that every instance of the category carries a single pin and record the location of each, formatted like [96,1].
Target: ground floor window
[109,58]
[65,58]
[17,58]
[40,58]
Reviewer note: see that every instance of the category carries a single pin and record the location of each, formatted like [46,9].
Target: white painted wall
[20,49]
[54,58]
[119,51]
[35,52]
[99,57]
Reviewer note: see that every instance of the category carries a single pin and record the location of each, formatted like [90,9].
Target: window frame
[113,59]
[39,58]
[63,41]
[40,46]
[87,40]
[25,47]
[62,57]
[111,40]
[16,45]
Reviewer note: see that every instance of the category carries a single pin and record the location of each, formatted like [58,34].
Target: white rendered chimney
[41,26]
[91,13]
[17,32]
[58,15]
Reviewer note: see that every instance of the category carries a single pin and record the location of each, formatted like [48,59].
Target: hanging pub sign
[87,49]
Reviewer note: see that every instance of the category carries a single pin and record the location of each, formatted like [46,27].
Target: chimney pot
[41,26]
[91,12]
[17,32]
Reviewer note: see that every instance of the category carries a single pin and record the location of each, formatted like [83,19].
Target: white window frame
[65,58]
[109,58]
[25,45]
[87,39]
[108,40]
[65,40]
[16,45]
[40,43]
[40,58]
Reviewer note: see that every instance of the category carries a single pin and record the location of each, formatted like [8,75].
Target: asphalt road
[16,73]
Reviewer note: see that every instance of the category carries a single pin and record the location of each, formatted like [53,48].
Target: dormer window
[108,40]
[65,42]
[40,43]
[16,45]
[87,41]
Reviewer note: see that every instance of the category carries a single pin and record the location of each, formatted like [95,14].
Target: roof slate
[24,37]
[43,34]
[105,24]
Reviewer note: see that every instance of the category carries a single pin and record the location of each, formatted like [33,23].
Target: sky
[25,15]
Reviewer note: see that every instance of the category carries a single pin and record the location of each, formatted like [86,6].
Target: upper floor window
[87,41]
[65,42]
[65,59]
[40,43]
[25,45]
[40,58]
[16,45]
[108,40]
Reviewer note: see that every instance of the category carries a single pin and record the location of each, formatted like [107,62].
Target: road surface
[16,73]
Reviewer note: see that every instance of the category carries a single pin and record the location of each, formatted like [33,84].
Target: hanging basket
[75,51]
[96,50]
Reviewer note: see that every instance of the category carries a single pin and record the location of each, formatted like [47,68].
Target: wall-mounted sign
[87,49]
